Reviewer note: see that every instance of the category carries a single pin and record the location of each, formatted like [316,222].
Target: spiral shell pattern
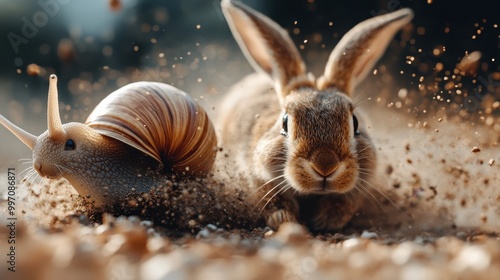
[161,121]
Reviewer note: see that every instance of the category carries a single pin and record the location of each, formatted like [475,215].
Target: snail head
[59,146]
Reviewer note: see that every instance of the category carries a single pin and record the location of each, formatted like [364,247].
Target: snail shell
[162,122]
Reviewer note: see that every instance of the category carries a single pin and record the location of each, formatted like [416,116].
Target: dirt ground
[432,211]
[438,218]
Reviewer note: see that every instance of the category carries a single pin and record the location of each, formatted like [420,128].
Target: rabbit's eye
[284,131]
[355,124]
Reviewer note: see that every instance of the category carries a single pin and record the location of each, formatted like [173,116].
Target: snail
[133,138]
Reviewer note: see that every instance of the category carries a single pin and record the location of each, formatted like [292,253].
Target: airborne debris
[115,5]
[469,64]
[34,70]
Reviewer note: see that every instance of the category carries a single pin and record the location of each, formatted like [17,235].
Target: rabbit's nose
[324,163]
[323,171]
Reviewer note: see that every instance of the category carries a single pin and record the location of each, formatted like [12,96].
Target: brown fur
[317,173]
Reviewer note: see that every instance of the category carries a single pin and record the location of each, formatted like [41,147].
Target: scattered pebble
[368,235]
[351,243]
[269,233]
[292,233]
[402,254]
[471,257]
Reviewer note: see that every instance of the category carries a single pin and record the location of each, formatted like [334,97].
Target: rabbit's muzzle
[324,162]
[323,172]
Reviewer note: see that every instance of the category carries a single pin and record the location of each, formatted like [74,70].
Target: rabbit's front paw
[333,213]
[278,217]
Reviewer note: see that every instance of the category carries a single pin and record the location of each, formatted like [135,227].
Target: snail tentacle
[27,138]
[54,123]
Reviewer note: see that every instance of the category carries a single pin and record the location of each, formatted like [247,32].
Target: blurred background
[445,63]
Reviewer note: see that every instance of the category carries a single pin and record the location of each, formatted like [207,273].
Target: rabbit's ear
[267,46]
[360,49]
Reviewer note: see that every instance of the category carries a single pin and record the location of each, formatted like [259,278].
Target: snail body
[136,136]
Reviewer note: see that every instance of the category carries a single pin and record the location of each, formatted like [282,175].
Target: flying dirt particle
[115,5]
[402,93]
[476,150]
[65,50]
[389,169]
[434,192]
[463,202]
[133,203]
[496,104]
[469,64]
[34,70]
[417,178]
[491,162]
[439,67]
[192,223]
[449,85]
[484,218]
[449,196]
[407,147]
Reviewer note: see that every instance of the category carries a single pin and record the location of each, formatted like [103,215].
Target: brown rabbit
[300,145]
